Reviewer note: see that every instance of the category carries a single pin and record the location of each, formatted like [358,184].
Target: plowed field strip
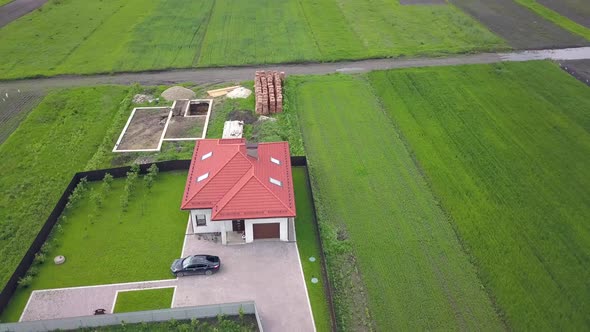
[519,26]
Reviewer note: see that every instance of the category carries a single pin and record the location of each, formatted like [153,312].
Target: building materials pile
[268,87]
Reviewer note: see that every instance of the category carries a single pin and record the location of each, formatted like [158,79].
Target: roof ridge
[214,176]
[239,185]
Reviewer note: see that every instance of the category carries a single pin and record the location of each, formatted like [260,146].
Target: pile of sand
[239,93]
[178,92]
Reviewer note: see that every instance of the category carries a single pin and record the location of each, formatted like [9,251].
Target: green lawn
[506,149]
[309,247]
[381,225]
[3,2]
[58,138]
[147,299]
[556,18]
[136,245]
[112,35]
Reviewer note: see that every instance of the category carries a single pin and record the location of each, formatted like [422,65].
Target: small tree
[151,176]
[107,183]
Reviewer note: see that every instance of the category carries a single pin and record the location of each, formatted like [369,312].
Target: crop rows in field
[113,35]
[14,107]
[520,26]
[373,196]
[505,148]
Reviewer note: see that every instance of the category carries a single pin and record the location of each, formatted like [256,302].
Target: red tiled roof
[237,185]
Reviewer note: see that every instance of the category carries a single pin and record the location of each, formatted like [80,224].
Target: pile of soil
[141,98]
[178,92]
[242,115]
[240,92]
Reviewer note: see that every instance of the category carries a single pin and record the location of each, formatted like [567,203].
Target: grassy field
[58,138]
[117,241]
[506,148]
[556,18]
[309,247]
[179,34]
[3,2]
[379,220]
[140,300]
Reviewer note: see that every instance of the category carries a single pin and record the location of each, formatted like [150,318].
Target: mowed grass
[58,138]
[136,245]
[141,300]
[416,274]
[308,245]
[506,149]
[74,37]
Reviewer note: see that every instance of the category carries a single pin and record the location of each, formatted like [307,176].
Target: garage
[267,231]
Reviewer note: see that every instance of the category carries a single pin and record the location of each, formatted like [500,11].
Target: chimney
[252,150]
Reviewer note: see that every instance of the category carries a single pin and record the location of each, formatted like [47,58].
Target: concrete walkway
[80,301]
[237,74]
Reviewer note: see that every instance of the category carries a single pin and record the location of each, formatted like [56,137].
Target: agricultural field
[506,149]
[14,107]
[181,34]
[559,18]
[576,10]
[520,26]
[68,125]
[382,227]
[140,300]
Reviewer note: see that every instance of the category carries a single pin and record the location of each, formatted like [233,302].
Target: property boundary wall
[119,172]
[184,313]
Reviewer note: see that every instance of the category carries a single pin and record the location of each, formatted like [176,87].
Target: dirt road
[17,8]
[237,74]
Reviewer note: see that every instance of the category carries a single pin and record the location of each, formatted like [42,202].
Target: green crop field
[375,204]
[140,300]
[506,149]
[63,135]
[77,37]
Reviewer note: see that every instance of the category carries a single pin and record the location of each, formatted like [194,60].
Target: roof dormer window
[207,155]
[202,177]
[276,182]
[275,161]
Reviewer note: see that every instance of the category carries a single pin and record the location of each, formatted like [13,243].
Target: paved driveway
[267,272]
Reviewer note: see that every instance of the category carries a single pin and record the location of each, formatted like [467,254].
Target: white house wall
[211,227]
[284,236]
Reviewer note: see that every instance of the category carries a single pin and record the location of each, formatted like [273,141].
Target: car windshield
[186,262]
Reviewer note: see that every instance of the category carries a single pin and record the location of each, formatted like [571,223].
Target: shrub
[46,247]
[25,281]
[33,271]
[77,193]
[39,258]
[107,183]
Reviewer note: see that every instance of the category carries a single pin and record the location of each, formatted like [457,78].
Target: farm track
[520,27]
[236,74]
[18,8]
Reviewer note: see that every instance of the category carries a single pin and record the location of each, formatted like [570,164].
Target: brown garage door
[267,231]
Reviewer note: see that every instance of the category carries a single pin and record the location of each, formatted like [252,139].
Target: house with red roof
[242,190]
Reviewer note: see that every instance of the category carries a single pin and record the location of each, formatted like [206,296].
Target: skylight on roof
[202,177]
[207,155]
[276,161]
[277,182]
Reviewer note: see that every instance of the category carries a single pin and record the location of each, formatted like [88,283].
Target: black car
[196,264]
